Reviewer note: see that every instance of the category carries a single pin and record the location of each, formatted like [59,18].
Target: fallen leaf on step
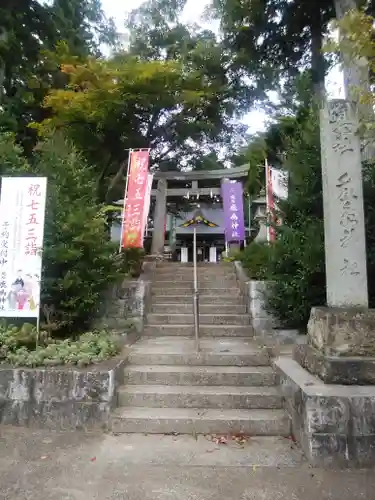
[240,439]
[221,440]
[43,458]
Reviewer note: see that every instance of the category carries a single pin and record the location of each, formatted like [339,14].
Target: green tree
[124,102]
[79,263]
[295,104]
[157,34]
[28,30]
[83,25]
[295,262]
[275,39]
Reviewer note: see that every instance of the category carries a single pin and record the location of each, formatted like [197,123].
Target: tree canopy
[173,90]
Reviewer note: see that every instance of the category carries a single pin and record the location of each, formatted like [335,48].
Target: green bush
[132,260]
[298,269]
[295,262]
[18,348]
[79,261]
[255,259]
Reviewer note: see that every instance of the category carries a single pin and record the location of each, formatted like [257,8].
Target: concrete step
[199,375]
[204,330]
[204,319]
[222,292]
[203,308]
[202,277]
[177,396]
[218,351]
[189,265]
[200,421]
[203,299]
[214,282]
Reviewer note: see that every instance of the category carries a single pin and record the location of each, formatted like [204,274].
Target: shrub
[294,263]
[79,261]
[255,259]
[17,347]
[298,269]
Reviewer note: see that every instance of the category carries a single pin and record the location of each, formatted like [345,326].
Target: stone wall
[333,424]
[263,322]
[65,398]
[124,306]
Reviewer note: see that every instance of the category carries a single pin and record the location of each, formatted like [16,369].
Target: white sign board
[213,254]
[279,180]
[184,255]
[22,209]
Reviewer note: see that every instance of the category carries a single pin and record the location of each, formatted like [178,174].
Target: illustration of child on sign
[22,294]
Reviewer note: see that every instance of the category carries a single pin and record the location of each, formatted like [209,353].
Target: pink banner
[135,204]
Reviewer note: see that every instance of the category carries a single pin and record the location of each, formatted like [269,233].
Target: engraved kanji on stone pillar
[344,226]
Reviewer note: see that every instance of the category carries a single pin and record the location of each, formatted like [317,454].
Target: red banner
[133,221]
[270,203]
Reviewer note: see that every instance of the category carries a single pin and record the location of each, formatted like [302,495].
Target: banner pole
[38,327]
[266,177]
[125,197]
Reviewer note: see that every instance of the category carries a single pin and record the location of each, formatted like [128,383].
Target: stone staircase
[229,387]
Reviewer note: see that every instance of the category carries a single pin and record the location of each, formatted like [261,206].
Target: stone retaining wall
[68,398]
[124,307]
[255,295]
[333,424]
[65,398]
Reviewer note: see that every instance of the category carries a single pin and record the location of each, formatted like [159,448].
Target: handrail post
[196,293]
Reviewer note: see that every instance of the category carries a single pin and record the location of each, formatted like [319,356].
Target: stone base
[336,370]
[334,424]
[61,398]
[342,332]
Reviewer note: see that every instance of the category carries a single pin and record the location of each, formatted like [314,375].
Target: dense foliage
[29,30]
[18,348]
[79,261]
[295,262]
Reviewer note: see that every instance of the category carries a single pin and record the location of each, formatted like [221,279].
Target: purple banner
[232,194]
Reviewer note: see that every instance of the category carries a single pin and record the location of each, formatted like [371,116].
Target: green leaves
[79,261]
[295,262]
[273,40]
[17,348]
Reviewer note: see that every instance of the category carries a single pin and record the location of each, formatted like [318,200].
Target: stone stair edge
[201,389]
[199,369]
[271,422]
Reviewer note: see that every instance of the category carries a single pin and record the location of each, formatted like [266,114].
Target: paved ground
[41,465]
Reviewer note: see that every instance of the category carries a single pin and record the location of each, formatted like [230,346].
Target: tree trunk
[318,68]
[3,39]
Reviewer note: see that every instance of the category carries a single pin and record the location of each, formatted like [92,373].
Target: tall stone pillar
[342,335]
[344,224]
[332,417]
[158,235]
